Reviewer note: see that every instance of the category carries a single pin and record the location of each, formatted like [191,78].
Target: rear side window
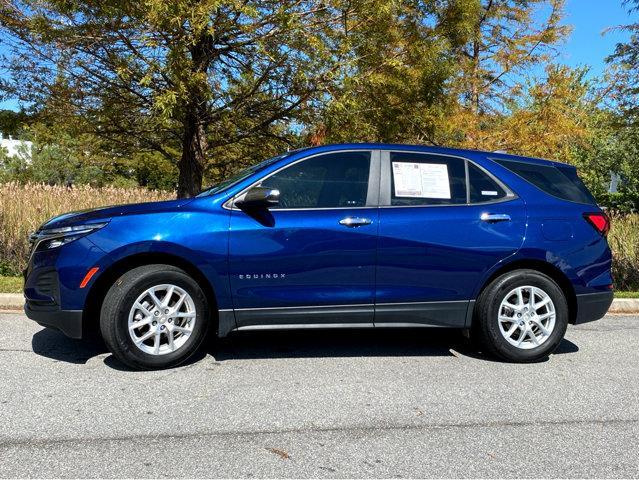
[561,182]
[482,187]
[422,179]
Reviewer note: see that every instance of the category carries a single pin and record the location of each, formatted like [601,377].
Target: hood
[106,213]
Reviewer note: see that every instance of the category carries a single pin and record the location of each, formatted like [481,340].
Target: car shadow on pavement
[55,345]
[339,343]
[400,342]
[566,346]
[291,344]
[468,350]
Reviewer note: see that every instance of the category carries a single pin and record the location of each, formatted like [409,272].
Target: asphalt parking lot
[416,403]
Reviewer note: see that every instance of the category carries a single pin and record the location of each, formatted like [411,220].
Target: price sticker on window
[421,180]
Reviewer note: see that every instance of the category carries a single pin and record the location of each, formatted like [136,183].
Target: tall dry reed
[624,242]
[24,207]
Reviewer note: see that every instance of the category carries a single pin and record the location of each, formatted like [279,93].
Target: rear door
[444,222]
[311,259]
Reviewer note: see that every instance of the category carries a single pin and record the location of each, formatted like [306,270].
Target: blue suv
[510,249]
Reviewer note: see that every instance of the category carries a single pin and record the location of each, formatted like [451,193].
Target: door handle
[354,221]
[495,217]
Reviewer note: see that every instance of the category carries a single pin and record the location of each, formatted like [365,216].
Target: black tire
[119,301]
[486,331]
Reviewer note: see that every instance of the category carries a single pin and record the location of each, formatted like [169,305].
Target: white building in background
[615,180]
[16,148]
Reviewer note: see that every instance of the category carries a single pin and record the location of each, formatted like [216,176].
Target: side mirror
[259,197]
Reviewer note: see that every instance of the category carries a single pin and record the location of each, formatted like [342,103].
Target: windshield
[241,175]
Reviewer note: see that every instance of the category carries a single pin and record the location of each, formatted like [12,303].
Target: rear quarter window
[561,182]
[482,188]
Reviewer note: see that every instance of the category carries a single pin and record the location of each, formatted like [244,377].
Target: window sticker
[421,180]
[489,193]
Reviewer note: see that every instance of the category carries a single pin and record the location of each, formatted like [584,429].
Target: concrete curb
[11,301]
[624,305]
[15,301]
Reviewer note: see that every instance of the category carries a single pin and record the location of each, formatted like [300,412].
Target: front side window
[424,179]
[333,180]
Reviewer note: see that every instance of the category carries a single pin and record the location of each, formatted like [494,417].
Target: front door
[444,222]
[311,259]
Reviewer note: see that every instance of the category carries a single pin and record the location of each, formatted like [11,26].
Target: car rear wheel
[521,316]
[153,317]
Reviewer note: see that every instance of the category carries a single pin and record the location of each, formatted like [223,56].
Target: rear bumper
[592,306]
[68,322]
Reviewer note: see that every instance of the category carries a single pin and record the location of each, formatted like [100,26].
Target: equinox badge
[257,276]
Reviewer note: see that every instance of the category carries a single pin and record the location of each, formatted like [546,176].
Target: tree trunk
[194,142]
[191,165]
[475,78]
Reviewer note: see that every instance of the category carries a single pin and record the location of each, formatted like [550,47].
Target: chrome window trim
[375,167]
[450,204]
[385,183]
[235,209]
[380,156]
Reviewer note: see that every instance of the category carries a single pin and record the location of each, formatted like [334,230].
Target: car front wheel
[521,316]
[153,317]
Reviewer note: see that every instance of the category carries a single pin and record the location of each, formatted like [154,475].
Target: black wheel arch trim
[546,268]
[106,278]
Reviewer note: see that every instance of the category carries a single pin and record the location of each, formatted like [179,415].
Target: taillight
[599,221]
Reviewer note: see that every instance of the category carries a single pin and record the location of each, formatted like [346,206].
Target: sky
[586,46]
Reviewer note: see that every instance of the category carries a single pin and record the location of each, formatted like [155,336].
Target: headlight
[49,238]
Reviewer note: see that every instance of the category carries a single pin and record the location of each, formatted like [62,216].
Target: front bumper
[52,285]
[42,294]
[592,306]
[68,322]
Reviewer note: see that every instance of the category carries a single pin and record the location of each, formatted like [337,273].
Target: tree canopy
[173,93]
[176,77]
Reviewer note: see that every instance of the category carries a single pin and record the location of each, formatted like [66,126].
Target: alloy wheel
[526,317]
[161,319]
